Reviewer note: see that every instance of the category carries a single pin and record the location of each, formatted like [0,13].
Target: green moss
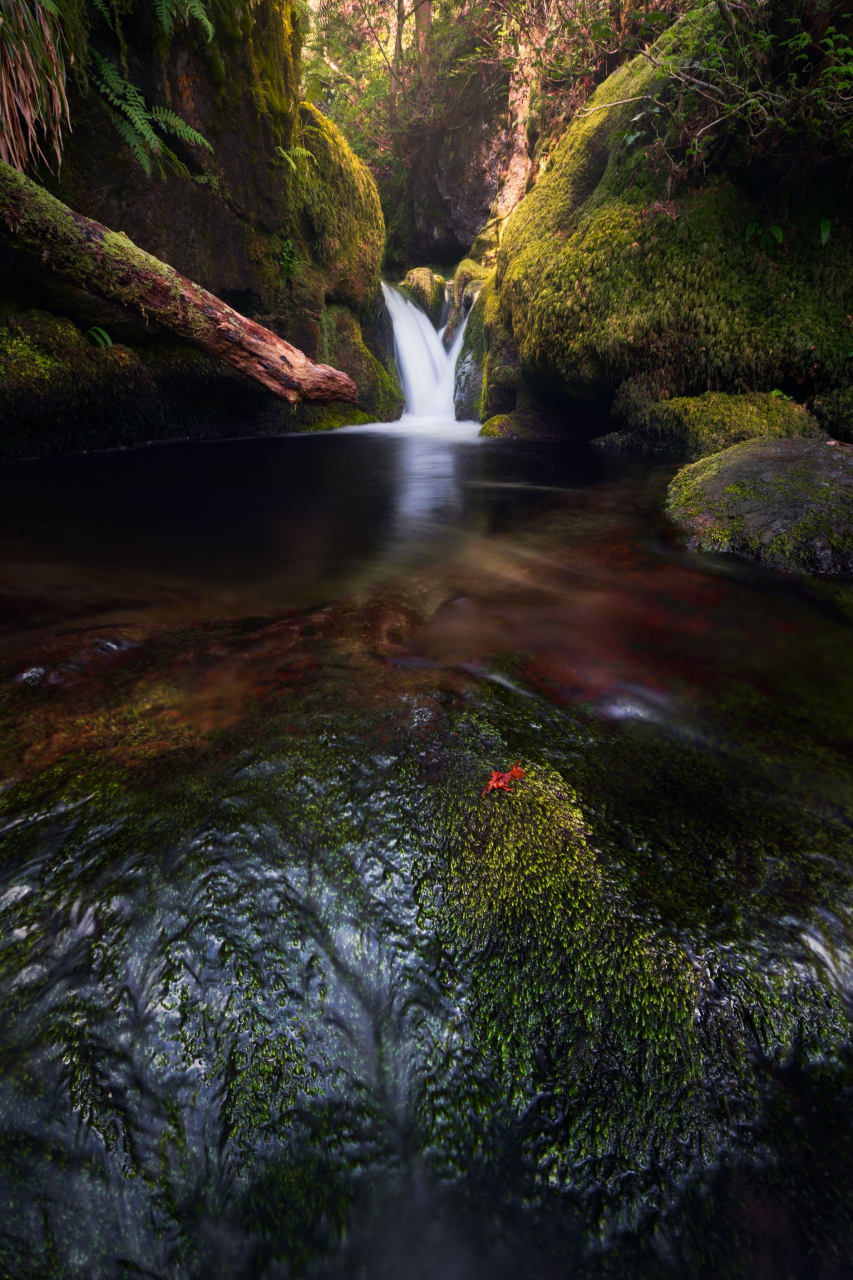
[426,288]
[337,204]
[467,282]
[518,425]
[559,976]
[342,346]
[600,279]
[787,503]
[695,426]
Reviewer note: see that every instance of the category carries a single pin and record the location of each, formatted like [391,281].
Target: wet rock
[427,289]
[468,281]
[786,503]
[467,395]
[518,425]
[696,426]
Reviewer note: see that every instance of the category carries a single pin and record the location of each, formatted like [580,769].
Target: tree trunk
[107,264]
[397,65]
[423,28]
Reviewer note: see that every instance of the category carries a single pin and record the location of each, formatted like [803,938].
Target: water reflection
[201,530]
[282,994]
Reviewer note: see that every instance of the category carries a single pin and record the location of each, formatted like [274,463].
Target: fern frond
[131,137]
[165,10]
[196,9]
[168,120]
[102,8]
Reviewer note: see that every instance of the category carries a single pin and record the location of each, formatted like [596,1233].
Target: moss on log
[108,264]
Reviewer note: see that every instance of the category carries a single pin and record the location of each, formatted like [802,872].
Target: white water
[427,372]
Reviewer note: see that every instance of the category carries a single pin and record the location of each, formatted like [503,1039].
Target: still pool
[283,993]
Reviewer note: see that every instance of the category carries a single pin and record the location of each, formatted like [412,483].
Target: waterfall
[427,371]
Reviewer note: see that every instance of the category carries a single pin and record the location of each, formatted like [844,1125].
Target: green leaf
[99,336]
[777,233]
[750,231]
[825,228]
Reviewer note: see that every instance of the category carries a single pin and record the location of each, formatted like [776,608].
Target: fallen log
[108,264]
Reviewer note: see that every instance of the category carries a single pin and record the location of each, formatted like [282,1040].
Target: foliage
[32,81]
[764,80]
[99,336]
[33,74]
[138,123]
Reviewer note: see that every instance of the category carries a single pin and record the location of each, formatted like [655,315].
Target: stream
[284,993]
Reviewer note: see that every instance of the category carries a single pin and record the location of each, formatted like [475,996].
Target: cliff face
[280,219]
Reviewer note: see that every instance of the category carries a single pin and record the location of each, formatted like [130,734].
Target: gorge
[528,459]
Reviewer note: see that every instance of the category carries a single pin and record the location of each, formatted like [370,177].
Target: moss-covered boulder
[280,219]
[695,426]
[427,290]
[518,425]
[602,279]
[63,392]
[786,503]
[468,280]
[343,346]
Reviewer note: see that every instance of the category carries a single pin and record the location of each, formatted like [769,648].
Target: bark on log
[110,265]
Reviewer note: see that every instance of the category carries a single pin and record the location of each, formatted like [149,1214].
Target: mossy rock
[601,278]
[696,426]
[518,425]
[427,290]
[786,503]
[468,280]
[61,393]
[380,395]
[468,389]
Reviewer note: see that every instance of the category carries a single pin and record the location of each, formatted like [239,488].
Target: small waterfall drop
[427,371]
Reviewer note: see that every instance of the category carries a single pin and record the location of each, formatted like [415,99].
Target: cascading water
[427,370]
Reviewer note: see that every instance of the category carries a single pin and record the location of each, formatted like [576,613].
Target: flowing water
[285,994]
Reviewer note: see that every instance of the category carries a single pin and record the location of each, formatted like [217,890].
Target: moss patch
[695,426]
[380,393]
[601,278]
[518,425]
[426,289]
[785,503]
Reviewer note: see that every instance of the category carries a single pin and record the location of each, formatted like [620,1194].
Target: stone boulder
[787,503]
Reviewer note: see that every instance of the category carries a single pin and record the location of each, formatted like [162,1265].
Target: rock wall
[293,240]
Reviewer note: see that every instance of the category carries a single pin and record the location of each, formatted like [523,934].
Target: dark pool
[283,993]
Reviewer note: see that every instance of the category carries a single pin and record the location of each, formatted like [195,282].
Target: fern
[168,11]
[137,123]
[292,154]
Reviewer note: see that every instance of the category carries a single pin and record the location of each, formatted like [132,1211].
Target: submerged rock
[695,426]
[785,503]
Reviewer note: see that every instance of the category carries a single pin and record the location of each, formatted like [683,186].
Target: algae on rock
[786,503]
